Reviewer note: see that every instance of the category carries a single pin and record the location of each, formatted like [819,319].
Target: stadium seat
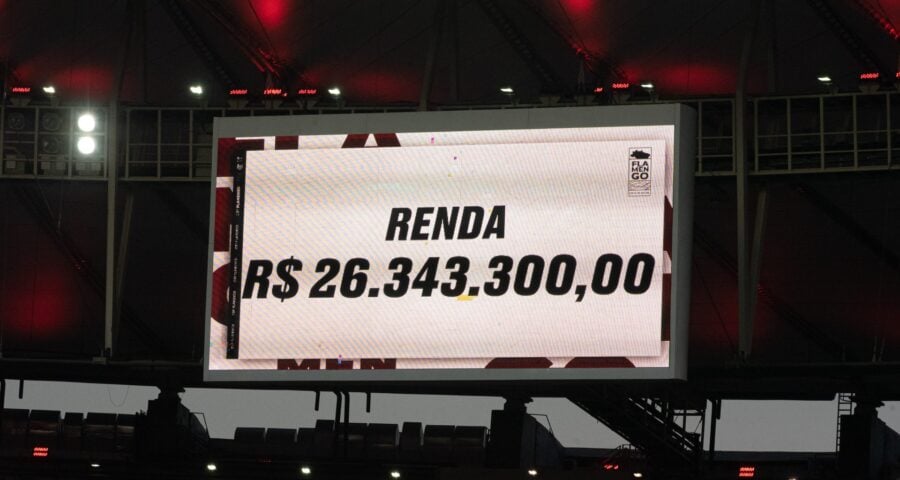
[125,428]
[305,439]
[410,449]
[437,444]
[14,432]
[43,431]
[250,440]
[469,445]
[356,440]
[381,441]
[281,442]
[71,438]
[99,435]
[323,439]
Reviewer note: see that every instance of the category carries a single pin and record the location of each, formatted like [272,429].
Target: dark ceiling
[377,51]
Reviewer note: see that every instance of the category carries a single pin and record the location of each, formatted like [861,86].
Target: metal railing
[790,134]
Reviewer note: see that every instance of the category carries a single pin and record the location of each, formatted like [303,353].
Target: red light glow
[598,89]
[272,92]
[308,91]
[869,76]
[238,92]
[40,452]
[620,85]
[272,13]
[20,89]
[746,472]
[610,466]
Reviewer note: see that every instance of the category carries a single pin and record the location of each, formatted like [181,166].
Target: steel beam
[866,57]
[437,28]
[198,42]
[520,44]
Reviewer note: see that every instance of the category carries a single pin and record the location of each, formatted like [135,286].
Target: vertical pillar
[745,325]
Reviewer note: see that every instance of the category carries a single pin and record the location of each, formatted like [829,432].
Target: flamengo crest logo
[639,171]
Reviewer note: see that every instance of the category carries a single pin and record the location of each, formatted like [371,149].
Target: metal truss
[796,134]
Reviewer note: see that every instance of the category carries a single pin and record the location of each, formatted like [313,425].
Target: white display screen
[513,248]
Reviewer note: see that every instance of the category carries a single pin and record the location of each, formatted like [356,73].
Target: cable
[124,399]
[263,28]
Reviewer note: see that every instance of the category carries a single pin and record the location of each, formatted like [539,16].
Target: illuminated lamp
[86,145]
[238,97]
[196,89]
[95,465]
[40,452]
[621,91]
[532,472]
[304,470]
[211,467]
[825,79]
[87,122]
[647,86]
[273,92]
[637,475]
[868,82]
[20,95]
[610,466]
[746,471]
[598,90]
[507,90]
[308,92]
[49,89]
[334,91]
[395,474]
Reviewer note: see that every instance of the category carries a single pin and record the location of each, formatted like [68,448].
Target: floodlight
[196,89]
[335,91]
[49,89]
[87,122]
[86,145]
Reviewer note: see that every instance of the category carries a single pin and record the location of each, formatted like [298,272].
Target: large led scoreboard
[508,245]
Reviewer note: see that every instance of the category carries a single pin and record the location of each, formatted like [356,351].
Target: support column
[745,325]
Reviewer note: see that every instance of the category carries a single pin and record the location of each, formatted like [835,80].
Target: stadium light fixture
[87,122]
[334,91]
[532,472]
[196,89]
[305,470]
[86,145]
[507,90]
[395,474]
[49,89]
[211,467]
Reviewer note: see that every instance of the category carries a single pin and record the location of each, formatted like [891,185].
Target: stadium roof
[377,52]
